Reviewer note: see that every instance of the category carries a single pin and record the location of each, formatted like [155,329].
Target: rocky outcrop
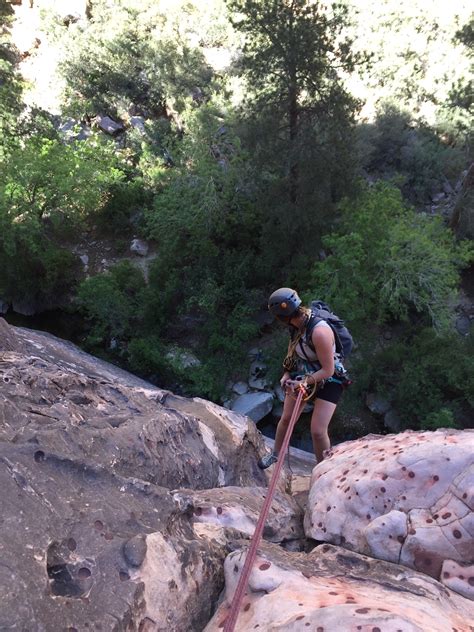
[91,533]
[406,498]
[121,502]
[239,508]
[329,590]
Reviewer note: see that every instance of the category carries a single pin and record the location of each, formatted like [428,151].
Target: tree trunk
[293,122]
[462,222]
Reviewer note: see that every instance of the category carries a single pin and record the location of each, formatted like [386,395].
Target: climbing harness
[231,619]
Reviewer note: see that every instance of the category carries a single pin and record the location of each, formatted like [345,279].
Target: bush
[396,145]
[389,263]
[113,303]
[147,357]
[441,419]
[424,374]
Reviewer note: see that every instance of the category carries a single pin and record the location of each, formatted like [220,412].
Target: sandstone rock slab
[331,590]
[239,508]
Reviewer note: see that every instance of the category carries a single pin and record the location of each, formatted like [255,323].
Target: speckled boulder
[405,498]
[333,590]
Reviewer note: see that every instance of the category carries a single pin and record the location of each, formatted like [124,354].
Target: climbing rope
[231,620]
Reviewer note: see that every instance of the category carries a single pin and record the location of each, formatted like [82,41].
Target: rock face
[331,590]
[255,405]
[90,533]
[406,498]
[239,508]
[121,501]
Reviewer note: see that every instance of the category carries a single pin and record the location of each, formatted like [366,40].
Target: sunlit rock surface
[239,508]
[405,498]
[90,534]
[333,590]
[121,501]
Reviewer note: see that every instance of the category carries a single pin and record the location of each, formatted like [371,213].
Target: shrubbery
[388,262]
[240,197]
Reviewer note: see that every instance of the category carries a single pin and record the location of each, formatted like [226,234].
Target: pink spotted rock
[334,590]
[405,498]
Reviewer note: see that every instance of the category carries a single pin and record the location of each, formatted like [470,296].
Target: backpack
[321,311]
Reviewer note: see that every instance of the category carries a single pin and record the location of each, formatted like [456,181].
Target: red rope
[244,577]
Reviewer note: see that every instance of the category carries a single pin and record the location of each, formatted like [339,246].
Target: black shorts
[330,392]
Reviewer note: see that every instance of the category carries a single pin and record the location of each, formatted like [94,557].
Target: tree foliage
[387,262]
[128,57]
[250,140]
[292,59]
[47,192]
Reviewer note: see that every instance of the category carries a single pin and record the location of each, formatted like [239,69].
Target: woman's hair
[303,310]
[289,363]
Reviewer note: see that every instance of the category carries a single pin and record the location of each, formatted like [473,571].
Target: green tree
[428,377]
[11,85]
[206,228]
[387,262]
[48,191]
[293,55]
[396,145]
[459,106]
[128,56]
[112,303]
[296,123]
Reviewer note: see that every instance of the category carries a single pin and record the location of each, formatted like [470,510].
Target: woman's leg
[288,407]
[322,415]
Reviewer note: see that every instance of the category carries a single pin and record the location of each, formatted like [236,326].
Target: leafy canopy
[387,262]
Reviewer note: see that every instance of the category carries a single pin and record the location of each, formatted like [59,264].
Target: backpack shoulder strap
[313,321]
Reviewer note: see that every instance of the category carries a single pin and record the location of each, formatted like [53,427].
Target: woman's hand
[285,377]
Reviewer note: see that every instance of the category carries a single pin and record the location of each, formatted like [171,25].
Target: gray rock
[138,123]
[109,126]
[74,130]
[258,369]
[377,405]
[24,307]
[4,306]
[139,247]
[240,388]
[134,550]
[68,126]
[392,421]
[463,325]
[277,410]
[183,358]
[254,353]
[85,260]
[280,393]
[259,384]
[447,188]
[254,405]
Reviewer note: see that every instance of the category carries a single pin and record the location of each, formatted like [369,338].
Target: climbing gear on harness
[284,302]
[302,380]
[267,460]
[231,620]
